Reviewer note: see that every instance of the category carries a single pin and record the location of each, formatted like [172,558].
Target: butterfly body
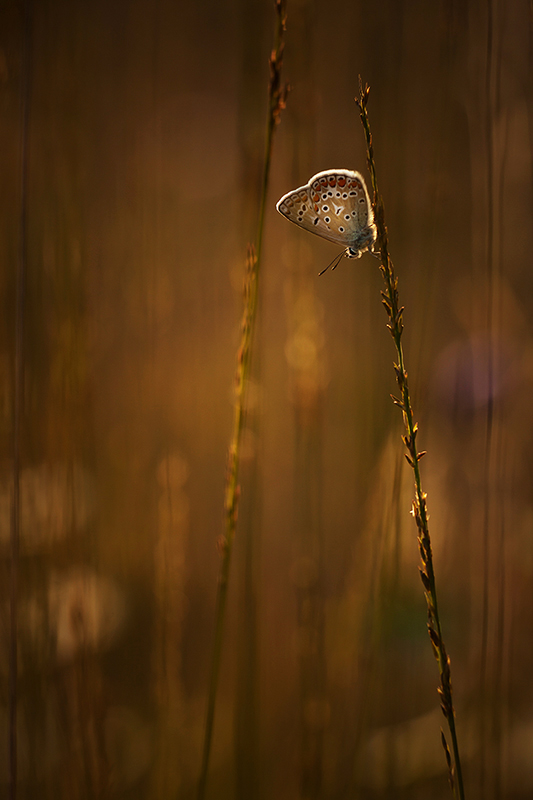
[334,205]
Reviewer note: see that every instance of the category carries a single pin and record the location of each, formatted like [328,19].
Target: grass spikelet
[420,513]
[277,96]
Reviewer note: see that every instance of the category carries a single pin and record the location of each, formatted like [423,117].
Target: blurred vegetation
[145,124]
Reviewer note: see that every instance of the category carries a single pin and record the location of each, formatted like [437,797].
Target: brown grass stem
[277,96]
[18,404]
[394,311]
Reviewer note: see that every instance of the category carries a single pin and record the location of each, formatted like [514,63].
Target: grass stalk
[18,404]
[277,96]
[394,311]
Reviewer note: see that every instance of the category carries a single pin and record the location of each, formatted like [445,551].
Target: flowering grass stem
[419,510]
[276,102]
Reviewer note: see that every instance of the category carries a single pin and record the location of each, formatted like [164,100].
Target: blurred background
[141,125]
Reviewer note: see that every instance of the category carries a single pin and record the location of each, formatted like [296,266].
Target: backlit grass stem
[413,456]
[277,96]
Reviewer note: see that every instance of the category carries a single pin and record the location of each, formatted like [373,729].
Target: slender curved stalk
[18,402]
[419,510]
[276,98]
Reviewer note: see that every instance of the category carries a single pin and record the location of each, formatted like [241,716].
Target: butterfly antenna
[335,263]
[338,261]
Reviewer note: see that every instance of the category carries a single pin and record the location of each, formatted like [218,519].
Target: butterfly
[335,205]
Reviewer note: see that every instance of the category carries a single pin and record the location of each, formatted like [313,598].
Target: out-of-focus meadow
[144,149]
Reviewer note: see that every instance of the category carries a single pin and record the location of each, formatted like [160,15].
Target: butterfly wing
[334,205]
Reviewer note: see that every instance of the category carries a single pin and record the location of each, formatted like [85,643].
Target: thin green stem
[277,97]
[427,573]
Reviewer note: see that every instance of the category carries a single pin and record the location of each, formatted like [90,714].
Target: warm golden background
[144,149]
